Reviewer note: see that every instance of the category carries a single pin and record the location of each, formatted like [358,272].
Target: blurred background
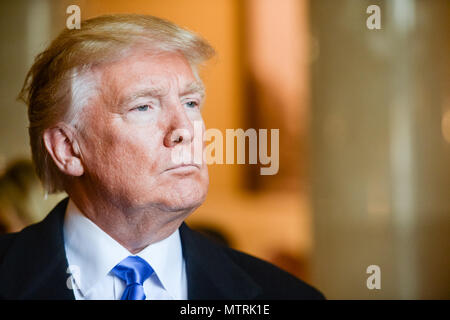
[364,119]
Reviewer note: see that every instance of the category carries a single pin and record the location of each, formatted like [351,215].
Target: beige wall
[381,166]
[26,27]
[14,139]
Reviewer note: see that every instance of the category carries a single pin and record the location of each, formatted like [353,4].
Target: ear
[59,143]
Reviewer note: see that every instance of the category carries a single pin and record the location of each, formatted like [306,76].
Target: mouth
[183,168]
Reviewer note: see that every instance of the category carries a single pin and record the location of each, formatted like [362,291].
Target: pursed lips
[184,166]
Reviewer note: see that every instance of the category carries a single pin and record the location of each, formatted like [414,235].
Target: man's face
[130,133]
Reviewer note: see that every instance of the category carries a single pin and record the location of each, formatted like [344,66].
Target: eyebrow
[193,87]
[147,92]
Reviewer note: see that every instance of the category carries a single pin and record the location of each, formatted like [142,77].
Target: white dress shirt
[92,254]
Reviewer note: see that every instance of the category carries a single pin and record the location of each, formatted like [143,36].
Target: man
[109,106]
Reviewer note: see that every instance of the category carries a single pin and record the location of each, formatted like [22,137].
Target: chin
[180,205]
[173,193]
[187,193]
[184,197]
[186,201]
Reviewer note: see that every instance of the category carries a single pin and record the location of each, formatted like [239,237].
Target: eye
[144,107]
[191,104]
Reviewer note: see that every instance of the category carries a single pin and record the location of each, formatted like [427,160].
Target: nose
[180,129]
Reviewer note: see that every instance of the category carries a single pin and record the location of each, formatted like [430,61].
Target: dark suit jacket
[33,265]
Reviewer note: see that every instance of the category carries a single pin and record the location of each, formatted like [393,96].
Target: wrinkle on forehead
[116,93]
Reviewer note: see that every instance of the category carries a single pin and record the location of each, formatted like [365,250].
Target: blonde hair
[55,87]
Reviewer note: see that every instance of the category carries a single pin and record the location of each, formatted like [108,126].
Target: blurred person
[20,195]
[107,105]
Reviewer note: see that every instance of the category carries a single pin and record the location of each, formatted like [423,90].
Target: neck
[133,227]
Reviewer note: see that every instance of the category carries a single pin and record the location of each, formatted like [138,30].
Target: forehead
[141,70]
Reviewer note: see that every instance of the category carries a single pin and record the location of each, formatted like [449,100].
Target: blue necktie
[134,271]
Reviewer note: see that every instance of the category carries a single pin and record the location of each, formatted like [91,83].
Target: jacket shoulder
[6,241]
[275,282]
[242,275]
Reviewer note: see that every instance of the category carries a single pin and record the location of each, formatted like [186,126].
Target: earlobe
[58,142]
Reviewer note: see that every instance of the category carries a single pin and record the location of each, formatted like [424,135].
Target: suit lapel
[35,265]
[211,273]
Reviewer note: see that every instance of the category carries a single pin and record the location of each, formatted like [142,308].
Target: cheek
[118,153]
[137,154]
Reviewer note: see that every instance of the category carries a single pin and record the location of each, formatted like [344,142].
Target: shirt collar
[166,259]
[92,253]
